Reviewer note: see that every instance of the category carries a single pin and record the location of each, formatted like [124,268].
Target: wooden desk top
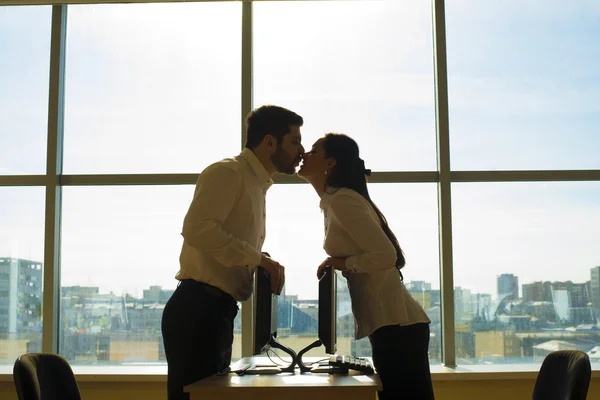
[308,380]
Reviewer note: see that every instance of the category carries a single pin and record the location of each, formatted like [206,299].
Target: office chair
[564,375]
[44,376]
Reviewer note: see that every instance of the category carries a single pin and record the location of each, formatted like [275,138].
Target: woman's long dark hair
[349,172]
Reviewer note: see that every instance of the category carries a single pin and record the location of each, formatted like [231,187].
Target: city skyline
[411,284]
[104,328]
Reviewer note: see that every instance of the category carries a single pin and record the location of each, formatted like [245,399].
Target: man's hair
[269,120]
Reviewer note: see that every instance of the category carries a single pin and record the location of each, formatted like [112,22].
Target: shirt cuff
[352,264]
[253,258]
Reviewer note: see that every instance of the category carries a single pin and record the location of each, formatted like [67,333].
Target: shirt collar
[259,170]
[327,196]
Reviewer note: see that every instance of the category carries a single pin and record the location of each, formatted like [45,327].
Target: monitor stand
[276,345]
[306,368]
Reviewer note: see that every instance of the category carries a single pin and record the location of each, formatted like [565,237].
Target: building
[537,291]
[418,286]
[465,305]
[157,294]
[21,286]
[595,287]
[572,302]
[508,284]
[497,346]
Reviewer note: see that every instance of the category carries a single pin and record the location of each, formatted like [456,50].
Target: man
[223,232]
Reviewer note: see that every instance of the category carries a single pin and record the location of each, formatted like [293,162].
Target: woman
[360,243]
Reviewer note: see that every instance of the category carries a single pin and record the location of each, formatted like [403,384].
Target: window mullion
[51,303]
[444,184]
[247,90]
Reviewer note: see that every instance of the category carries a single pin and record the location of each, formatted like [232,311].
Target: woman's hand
[338,263]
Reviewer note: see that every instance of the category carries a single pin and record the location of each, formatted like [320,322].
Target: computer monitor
[265,319]
[265,312]
[327,310]
[327,317]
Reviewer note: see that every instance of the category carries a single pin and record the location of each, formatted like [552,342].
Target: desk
[287,386]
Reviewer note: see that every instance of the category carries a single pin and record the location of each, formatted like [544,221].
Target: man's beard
[283,163]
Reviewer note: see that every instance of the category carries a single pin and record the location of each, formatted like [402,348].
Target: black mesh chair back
[564,375]
[44,376]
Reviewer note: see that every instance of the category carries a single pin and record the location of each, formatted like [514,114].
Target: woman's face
[314,163]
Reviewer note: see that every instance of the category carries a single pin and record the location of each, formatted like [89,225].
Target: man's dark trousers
[197,329]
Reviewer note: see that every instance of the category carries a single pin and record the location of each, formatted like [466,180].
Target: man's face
[288,154]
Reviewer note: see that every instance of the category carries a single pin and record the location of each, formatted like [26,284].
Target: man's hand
[276,273]
[338,263]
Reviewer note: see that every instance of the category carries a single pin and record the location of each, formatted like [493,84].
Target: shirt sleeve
[354,216]
[217,190]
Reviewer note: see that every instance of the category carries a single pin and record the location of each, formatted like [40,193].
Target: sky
[156,89]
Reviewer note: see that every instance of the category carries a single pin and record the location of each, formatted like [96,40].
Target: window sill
[492,372]
[144,373]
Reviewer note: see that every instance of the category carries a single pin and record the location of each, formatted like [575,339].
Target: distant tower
[595,287]
[508,284]
[20,294]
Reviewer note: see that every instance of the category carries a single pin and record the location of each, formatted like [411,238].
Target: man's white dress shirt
[224,228]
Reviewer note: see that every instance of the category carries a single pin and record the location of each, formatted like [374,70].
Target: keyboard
[355,363]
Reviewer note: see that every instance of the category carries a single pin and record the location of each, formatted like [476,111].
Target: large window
[151,87]
[345,67]
[524,85]
[352,76]
[153,93]
[526,269]
[120,252]
[295,239]
[24,77]
[24,68]
[523,94]
[21,272]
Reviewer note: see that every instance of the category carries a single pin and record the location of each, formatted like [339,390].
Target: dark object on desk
[265,312]
[265,320]
[327,318]
[263,370]
[250,367]
[564,375]
[351,363]
[44,376]
[240,367]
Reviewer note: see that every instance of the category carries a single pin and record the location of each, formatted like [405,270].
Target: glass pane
[412,213]
[24,80]
[362,68]
[524,84]
[152,87]
[21,272]
[527,270]
[295,238]
[120,254]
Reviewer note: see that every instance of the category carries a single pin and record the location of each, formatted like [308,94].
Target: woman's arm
[356,218]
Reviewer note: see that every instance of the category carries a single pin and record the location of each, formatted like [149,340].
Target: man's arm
[217,191]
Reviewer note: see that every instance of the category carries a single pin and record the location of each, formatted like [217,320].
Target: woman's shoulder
[340,196]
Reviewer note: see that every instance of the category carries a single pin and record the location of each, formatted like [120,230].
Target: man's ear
[270,142]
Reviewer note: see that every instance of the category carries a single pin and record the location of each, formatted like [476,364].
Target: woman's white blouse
[353,230]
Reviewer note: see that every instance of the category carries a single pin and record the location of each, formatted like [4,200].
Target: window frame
[54,180]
